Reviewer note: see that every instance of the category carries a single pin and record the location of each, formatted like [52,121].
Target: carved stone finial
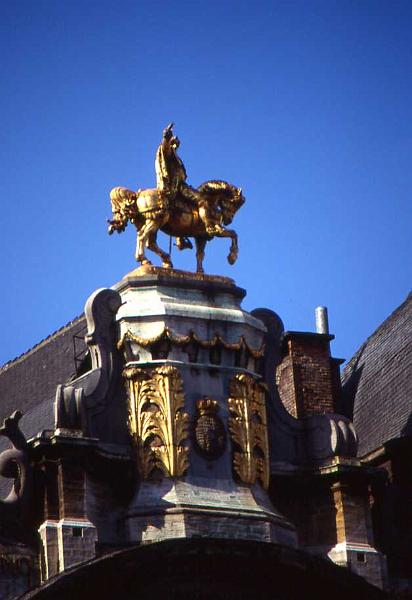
[11,430]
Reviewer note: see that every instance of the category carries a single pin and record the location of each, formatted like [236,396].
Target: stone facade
[192,418]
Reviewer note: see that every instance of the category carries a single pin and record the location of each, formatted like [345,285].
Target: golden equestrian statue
[176,208]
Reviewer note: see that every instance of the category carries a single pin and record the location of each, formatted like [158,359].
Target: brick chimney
[308,377]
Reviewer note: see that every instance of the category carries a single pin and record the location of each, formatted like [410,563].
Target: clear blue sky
[307,105]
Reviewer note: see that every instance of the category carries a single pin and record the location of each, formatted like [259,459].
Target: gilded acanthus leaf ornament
[177,208]
[157,421]
[248,429]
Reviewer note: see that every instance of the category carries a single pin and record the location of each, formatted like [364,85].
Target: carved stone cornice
[177,275]
[157,421]
[248,429]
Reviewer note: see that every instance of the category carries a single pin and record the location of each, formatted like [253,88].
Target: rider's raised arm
[168,132]
[166,143]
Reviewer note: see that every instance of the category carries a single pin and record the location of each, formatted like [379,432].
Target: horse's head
[229,198]
[230,204]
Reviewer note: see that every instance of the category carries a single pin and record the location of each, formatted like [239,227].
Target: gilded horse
[203,214]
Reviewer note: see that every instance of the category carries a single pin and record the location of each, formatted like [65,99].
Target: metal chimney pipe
[322,323]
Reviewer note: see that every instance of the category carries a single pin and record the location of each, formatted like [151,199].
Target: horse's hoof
[231,259]
[167,264]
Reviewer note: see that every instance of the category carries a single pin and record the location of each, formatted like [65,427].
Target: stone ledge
[149,275]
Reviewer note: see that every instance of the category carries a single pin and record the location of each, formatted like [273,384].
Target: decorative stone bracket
[157,421]
[248,429]
[86,395]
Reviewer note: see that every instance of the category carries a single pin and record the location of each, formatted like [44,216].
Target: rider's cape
[170,170]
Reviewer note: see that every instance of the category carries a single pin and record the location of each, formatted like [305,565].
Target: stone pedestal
[65,543]
[205,507]
[67,536]
[363,560]
[336,520]
[354,548]
[197,409]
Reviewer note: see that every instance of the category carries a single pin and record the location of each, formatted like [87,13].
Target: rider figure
[171,176]
[170,170]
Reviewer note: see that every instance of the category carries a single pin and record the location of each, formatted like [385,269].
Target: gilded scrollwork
[157,421]
[248,429]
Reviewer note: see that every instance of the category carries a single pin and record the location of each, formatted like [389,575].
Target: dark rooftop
[28,383]
[377,382]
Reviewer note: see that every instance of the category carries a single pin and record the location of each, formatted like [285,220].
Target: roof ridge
[40,344]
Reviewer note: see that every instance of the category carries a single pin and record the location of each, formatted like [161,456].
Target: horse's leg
[212,222]
[200,253]
[219,231]
[142,242]
[234,248]
[140,255]
[152,245]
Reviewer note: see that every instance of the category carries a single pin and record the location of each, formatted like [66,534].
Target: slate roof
[28,383]
[377,382]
